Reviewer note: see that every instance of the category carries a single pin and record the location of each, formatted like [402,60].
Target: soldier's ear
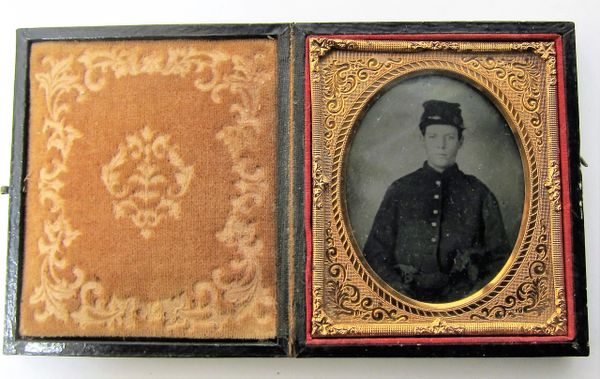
[460,141]
[422,139]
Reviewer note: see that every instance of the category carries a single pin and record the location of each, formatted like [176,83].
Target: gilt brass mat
[527,297]
[150,189]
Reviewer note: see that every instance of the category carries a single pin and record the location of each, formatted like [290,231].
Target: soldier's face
[441,145]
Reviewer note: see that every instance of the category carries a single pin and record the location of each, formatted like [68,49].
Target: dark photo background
[386,146]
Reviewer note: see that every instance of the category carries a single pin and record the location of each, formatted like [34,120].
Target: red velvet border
[308,191]
[566,200]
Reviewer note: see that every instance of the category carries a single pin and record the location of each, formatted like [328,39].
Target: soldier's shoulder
[408,181]
[476,183]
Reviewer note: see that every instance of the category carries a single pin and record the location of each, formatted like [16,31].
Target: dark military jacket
[437,237]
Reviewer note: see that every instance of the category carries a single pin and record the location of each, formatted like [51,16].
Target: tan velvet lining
[150,192]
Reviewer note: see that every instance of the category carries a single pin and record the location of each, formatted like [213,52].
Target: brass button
[433,239]
[434,224]
[438,183]
[435,211]
[436,196]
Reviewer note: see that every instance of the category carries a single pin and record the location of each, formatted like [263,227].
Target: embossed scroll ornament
[342,298]
[527,296]
[235,295]
[145,195]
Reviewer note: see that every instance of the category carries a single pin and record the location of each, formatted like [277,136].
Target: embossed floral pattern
[147,177]
[145,195]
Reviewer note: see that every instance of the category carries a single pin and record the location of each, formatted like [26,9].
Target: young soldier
[438,235]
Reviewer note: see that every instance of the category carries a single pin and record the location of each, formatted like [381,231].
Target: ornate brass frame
[528,296]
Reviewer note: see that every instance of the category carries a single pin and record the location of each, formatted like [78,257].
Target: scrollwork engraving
[556,323]
[433,45]
[341,79]
[523,76]
[319,47]
[440,327]
[344,298]
[531,295]
[320,183]
[552,184]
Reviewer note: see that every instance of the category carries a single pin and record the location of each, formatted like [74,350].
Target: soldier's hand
[406,272]
[462,260]
[473,273]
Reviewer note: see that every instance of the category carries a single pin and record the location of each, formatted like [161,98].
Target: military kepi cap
[441,112]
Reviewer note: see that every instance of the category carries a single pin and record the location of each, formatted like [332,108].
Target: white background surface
[29,13]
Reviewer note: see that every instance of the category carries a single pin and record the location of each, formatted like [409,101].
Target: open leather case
[275,190]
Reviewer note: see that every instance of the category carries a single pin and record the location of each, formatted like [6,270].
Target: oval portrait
[434,187]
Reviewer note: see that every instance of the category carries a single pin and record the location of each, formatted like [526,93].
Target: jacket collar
[448,173]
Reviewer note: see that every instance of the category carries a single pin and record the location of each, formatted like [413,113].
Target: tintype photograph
[434,187]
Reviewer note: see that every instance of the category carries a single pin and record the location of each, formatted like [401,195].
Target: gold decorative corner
[342,298]
[522,76]
[545,50]
[340,79]
[321,323]
[319,47]
[322,326]
[440,327]
[552,184]
[556,323]
[530,297]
